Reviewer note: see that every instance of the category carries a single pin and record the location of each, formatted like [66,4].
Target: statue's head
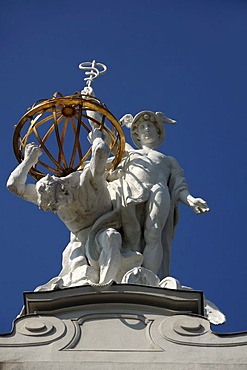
[53,194]
[147,129]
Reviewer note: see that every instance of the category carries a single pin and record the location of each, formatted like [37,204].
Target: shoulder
[128,147]
[73,179]
[173,162]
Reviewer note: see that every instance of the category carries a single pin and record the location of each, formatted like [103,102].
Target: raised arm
[100,152]
[95,116]
[17,179]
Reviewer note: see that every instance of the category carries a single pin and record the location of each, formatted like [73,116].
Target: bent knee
[109,236]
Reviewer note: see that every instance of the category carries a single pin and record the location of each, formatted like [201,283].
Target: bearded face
[53,194]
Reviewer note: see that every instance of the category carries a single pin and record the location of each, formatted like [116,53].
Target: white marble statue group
[121,223]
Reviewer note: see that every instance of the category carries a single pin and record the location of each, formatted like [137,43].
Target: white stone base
[118,327]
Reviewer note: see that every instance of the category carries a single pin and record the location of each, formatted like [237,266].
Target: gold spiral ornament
[60,126]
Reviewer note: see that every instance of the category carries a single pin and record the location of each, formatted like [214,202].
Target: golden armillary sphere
[61,125]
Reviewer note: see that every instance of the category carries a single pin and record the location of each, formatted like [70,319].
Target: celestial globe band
[60,127]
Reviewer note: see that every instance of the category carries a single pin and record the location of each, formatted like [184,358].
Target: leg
[158,207]
[131,228]
[110,243]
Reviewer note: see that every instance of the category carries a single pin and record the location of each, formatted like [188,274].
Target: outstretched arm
[17,179]
[198,205]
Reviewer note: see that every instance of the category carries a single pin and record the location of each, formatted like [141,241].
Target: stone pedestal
[118,327]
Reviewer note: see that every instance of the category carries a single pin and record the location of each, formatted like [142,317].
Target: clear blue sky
[185,58]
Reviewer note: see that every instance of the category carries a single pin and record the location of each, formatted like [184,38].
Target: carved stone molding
[195,331]
[113,332]
[34,330]
[178,301]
